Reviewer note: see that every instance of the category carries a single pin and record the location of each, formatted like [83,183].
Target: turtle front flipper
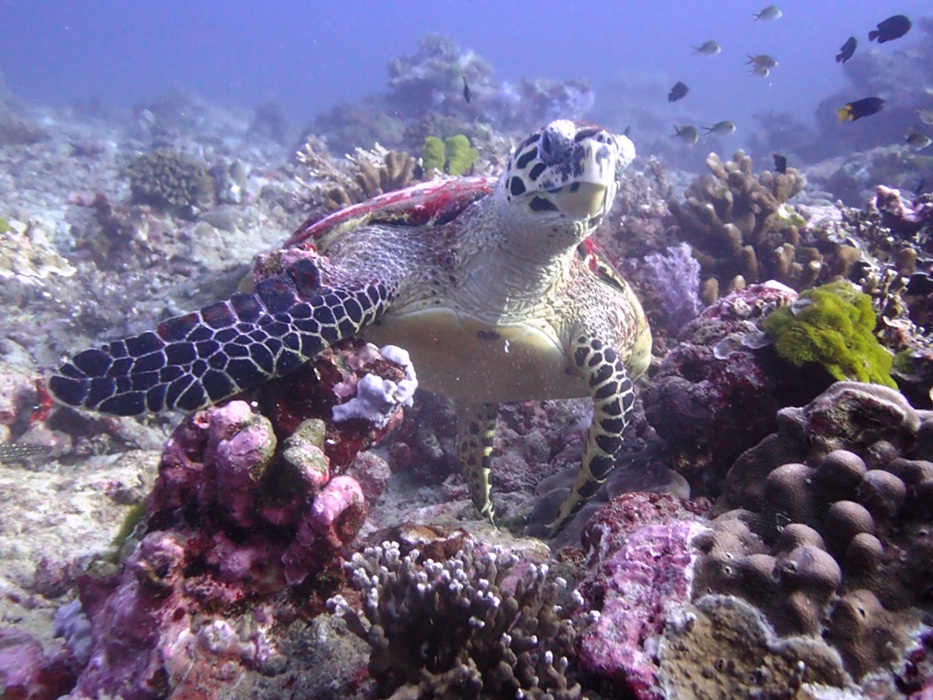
[613,398]
[476,427]
[209,355]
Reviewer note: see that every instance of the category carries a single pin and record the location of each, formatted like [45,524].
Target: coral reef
[825,526]
[812,572]
[430,88]
[741,228]
[170,180]
[699,399]
[833,326]
[501,632]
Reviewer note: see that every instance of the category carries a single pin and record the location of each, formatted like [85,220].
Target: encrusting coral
[741,228]
[470,626]
[832,325]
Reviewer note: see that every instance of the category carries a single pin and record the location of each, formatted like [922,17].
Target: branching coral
[741,229]
[170,180]
[366,174]
[463,627]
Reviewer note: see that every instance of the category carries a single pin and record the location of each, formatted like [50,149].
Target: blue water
[309,56]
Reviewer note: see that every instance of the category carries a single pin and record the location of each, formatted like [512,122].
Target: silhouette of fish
[678,92]
[780,163]
[467,94]
[892,28]
[848,48]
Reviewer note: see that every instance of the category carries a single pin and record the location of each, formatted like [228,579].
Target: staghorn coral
[170,180]
[468,626]
[741,228]
[365,174]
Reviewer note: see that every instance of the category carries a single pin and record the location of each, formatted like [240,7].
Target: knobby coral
[502,634]
[170,180]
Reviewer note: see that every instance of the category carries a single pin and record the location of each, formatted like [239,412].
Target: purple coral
[675,274]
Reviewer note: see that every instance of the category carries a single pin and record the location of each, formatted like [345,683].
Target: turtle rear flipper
[206,356]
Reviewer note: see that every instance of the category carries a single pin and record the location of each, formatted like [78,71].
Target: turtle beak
[582,200]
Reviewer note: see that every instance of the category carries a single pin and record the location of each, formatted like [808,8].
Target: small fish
[892,28]
[768,14]
[678,92]
[926,116]
[708,48]
[860,108]
[848,48]
[761,72]
[920,185]
[467,94]
[780,163]
[723,128]
[687,133]
[917,140]
[20,451]
[761,60]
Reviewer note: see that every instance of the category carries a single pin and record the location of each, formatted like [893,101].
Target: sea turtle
[489,283]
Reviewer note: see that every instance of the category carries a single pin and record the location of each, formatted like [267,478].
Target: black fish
[780,163]
[860,108]
[892,28]
[848,48]
[467,95]
[677,92]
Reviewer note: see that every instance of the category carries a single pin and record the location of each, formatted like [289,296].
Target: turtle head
[563,178]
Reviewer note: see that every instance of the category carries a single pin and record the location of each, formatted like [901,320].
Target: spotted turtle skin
[489,283]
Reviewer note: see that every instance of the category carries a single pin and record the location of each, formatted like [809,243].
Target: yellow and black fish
[847,50]
[678,92]
[860,108]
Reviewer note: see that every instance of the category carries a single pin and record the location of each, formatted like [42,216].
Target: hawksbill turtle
[489,283]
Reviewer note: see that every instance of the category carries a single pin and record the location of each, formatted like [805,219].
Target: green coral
[454,155]
[460,154]
[4,225]
[832,325]
[432,154]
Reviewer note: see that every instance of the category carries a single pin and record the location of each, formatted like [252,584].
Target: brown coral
[825,526]
[741,229]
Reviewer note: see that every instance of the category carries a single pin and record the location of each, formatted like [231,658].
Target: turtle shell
[429,203]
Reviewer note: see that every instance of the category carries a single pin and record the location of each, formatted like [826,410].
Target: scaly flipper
[476,427]
[209,355]
[613,398]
